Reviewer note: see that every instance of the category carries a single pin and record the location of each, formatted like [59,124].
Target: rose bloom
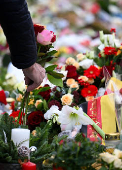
[75,85]
[92,72]
[83,78]
[67,99]
[72,73]
[46,37]
[76,64]
[88,98]
[107,157]
[80,57]
[117,163]
[118,153]
[91,90]
[38,28]
[34,119]
[70,61]
[90,81]
[70,81]
[38,102]
[45,94]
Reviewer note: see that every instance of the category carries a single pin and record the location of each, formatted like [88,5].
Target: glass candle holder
[112,140]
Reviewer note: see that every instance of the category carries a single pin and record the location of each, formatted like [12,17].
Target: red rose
[34,119]
[89,91]
[15,115]
[72,73]
[45,94]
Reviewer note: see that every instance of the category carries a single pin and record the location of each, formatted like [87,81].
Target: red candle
[29,166]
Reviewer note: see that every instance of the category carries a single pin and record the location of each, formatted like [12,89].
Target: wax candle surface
[29,166]
[19,135]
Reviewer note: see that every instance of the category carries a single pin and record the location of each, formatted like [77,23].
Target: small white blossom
[53,111]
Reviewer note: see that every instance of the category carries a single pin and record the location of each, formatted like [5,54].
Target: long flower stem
[96,127]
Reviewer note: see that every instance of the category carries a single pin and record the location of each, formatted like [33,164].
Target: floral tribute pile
[57,100]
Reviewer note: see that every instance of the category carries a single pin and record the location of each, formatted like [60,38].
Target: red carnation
[45,94]
[54,102]
[34,119]
[110,51]
[38,28]
[72,73]
[89,91]
[92,72]
[113,30]
[15,115]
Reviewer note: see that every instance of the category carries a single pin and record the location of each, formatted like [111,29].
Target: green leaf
[57,82]
[40,90]
[50,68]
[55,74]
[103,168]
[49,54]
[45,105]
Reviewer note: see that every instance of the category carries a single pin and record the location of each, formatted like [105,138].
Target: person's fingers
[37,82]
[32,87]
[27,80]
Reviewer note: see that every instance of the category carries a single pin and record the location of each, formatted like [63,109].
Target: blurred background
[76,24]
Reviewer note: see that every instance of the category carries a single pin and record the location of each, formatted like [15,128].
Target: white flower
[86,63]
[107,157]
[109,40]
[117,153]
[91,55]
[53,111]
[70,117]
[20,86]
[101,36]
[117,163]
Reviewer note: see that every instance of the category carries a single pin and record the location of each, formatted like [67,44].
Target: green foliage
[77,154]
[8,151]
[45,147]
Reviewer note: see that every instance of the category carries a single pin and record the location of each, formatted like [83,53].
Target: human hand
[35,74]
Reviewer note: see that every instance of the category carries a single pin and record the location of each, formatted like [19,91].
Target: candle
[22,136]
[29,166]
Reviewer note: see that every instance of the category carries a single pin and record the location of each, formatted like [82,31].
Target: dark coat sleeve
[18,28]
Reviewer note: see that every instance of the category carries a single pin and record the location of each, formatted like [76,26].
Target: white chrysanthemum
[53,111]
[70,117]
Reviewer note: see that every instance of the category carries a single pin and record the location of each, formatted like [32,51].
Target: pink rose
[46,37]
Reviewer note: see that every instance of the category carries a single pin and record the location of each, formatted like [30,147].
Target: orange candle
[29,166]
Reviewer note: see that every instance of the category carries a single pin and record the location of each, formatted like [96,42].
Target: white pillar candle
[22,136]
